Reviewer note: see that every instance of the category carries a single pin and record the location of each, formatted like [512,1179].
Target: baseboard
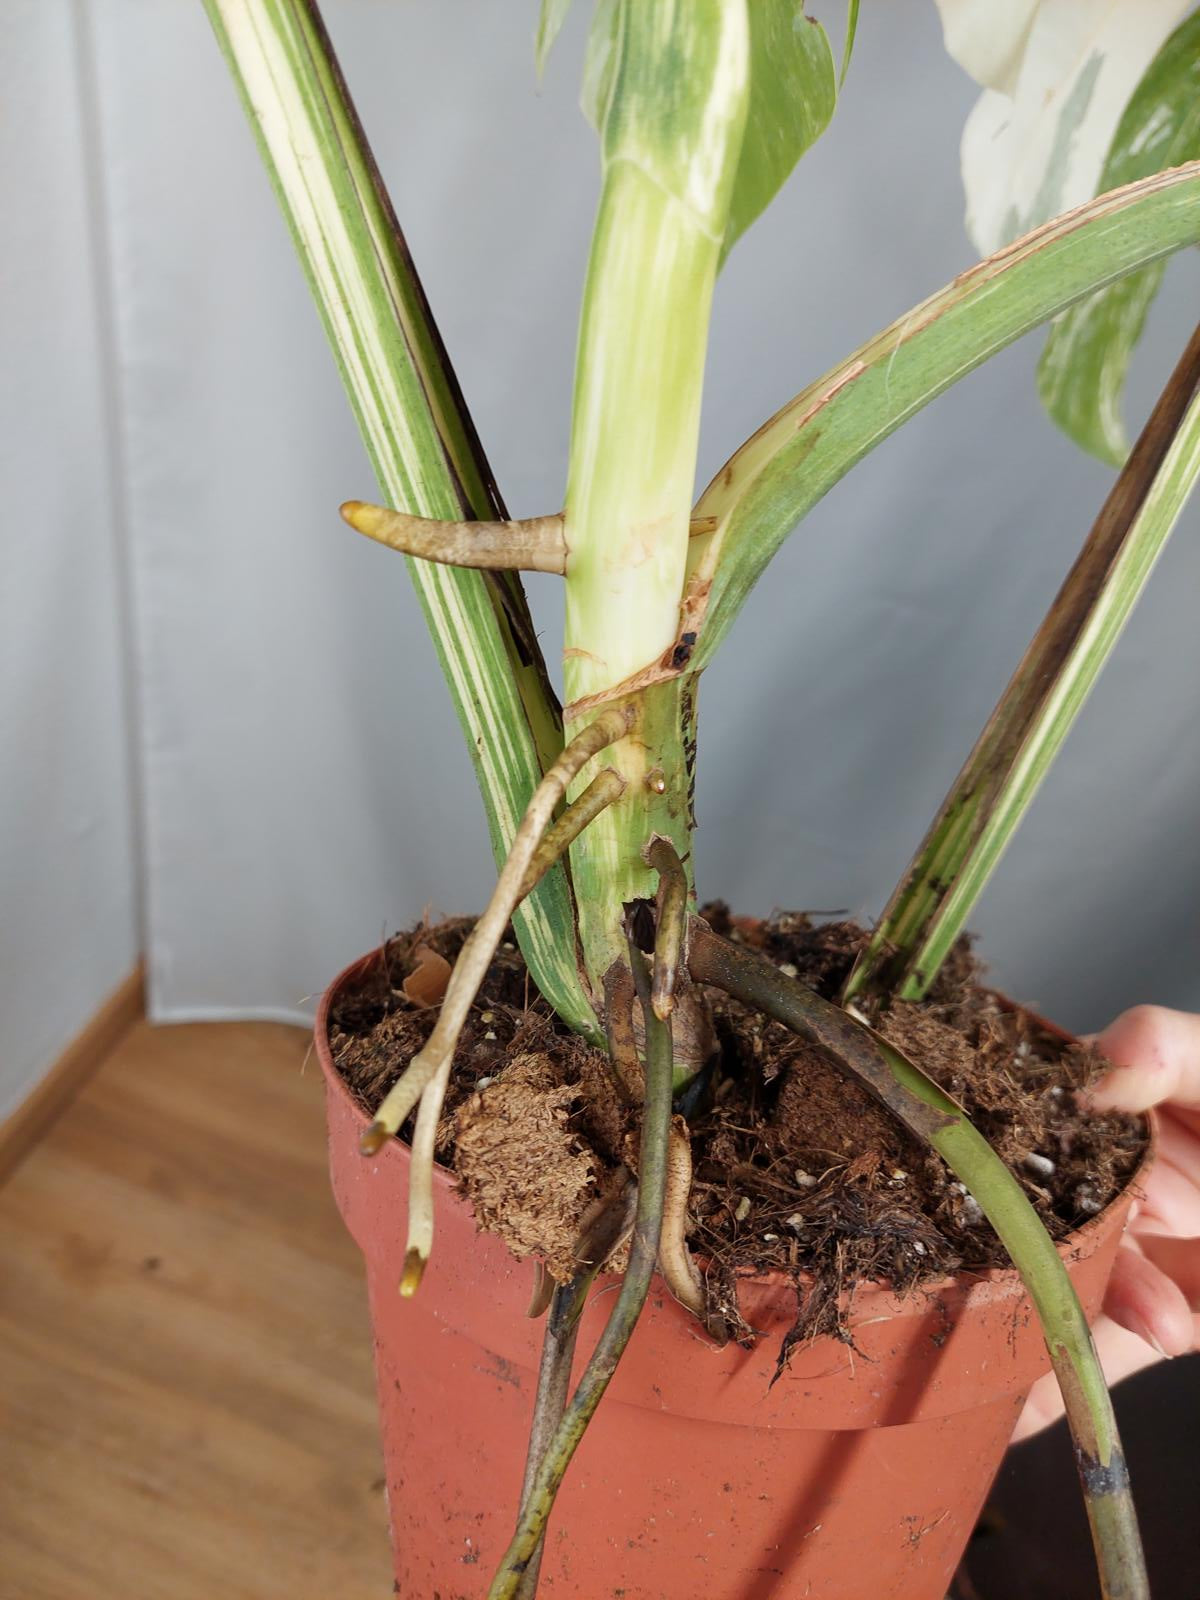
[38,1112]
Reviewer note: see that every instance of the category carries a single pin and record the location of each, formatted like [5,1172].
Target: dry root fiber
[528,1176]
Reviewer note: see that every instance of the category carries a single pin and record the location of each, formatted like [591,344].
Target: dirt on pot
[797,1169]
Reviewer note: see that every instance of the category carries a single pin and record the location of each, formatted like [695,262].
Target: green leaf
[799,454]
[415,426]
[550,20]
[930,906]
[848,46]
[600,61]
[793,94]
[1082,372]
[676,104]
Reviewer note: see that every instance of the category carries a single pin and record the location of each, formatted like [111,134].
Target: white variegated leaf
[988,40]
[1058,74]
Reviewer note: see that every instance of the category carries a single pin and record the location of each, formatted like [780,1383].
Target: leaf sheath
[930,906]
[414,424]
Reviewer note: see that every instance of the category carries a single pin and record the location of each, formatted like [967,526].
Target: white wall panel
[67,876]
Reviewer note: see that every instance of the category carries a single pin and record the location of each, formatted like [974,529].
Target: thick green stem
[671,134]
[931,1115]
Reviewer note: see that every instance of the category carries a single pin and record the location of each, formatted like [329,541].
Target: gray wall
[67,882]
[305,784]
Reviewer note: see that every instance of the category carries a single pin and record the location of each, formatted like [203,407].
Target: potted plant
[813,1392]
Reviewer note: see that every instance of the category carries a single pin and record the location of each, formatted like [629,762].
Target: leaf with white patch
[1081,376]
[793,94]
[1035,143]
[987,40]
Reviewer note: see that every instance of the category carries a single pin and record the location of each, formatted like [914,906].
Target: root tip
[414,1271]
[373,1138]
[363,518]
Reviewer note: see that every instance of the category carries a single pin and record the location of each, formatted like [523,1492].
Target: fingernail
[1142,1329]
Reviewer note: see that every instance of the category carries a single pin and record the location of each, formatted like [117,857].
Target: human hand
[1152,1306]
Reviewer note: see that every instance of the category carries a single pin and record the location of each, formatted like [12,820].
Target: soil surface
[796,1168]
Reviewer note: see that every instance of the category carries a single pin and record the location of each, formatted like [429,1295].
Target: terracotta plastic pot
[855,1477]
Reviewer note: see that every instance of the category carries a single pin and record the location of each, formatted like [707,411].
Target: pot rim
[445,1182]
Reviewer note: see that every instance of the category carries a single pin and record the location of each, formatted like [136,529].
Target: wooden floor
[186,1395]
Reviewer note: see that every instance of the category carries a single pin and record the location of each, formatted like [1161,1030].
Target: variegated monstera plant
[1081,172]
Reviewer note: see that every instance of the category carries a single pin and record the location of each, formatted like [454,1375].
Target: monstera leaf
[1080,97]
[793,94]
[1057,76]
[1082,372]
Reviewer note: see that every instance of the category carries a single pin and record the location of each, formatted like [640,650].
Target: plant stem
[415,425]
[602,1231]
[554,1383]
[929,1113]
[671,134]
[643,1253]
[930,906]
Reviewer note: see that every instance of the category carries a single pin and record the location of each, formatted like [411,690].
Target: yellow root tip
[373,1139]
[363,518]
[414,1271]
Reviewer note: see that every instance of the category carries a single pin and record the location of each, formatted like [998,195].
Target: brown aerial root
[674,1258]
[428,1074]
[536,544]
[532,544]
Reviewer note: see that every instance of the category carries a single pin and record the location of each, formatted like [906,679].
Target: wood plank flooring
[186,1394]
